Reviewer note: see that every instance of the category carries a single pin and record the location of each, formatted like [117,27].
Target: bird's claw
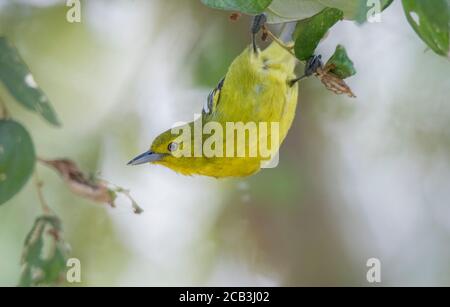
[313,64]
[257,24]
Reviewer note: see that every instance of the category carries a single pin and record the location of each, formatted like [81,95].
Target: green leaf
[348,7]
[343,66]
[291,10]
[309,32]
[44,255]
[431,21]
[17,158]
[19,81]
[251,7]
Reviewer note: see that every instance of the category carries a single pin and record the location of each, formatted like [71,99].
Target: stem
[42,161]
[115,188]
[45,208]
[4,113]
[279,42]
[134,205]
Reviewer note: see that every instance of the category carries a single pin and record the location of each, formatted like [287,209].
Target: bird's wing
[213,99]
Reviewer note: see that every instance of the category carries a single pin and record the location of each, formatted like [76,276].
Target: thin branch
[39,184]
[95,189]
[42,161]
[4,113]
[134,204]
[115,188]
[279,42]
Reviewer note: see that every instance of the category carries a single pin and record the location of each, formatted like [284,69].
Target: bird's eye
[172,147]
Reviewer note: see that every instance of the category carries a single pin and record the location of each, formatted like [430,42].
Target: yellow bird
[259,87]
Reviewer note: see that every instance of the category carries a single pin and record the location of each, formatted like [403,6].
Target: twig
[45,208]
[42,161]
[4,113]
[95,189]
[134,204]
[115,188]
[279,42]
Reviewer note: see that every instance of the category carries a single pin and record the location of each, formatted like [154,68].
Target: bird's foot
[313,64]
[258,23]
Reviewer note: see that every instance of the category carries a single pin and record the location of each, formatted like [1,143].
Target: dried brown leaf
[79,183]
[94,189]
[333,82]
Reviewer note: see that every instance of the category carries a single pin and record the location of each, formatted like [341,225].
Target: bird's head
[167,149]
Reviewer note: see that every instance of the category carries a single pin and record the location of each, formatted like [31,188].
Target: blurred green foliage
[431,21]
[45,254]
[20,46]
[17,158]
[18,79]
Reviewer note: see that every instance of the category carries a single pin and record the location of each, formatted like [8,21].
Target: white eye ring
[172,147]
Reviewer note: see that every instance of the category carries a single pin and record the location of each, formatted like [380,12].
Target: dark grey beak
[146,157]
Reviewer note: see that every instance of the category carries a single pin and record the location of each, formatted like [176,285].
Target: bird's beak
[146,157]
